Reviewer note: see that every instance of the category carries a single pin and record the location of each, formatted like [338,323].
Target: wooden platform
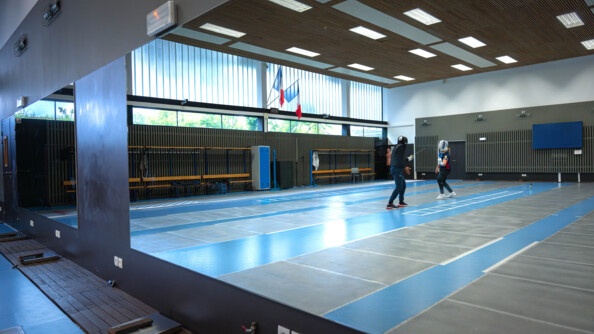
[86,299]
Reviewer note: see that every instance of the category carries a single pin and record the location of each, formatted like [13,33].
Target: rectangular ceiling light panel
[303,52]
[422,53]
[589,44]
[404,78]
[222,30]
[422,16]
[361,67]
[506,59]
[367,32]
[461,67]
[570,20]
[472,42]
[380,19]
[292,5]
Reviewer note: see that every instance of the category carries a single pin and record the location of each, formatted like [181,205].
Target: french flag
[298,110]
[293,92]
[278,85]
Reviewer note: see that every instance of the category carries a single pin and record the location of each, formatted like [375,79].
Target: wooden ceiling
[526,30]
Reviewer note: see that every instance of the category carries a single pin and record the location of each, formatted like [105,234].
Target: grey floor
[546,288]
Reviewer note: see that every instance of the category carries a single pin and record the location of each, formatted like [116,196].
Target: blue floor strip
[412,296]
[218,259]
[23,305]
[6,229]
[278,199]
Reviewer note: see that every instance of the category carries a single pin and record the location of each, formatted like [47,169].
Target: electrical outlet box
[58,234]
[118,262]
[31,223]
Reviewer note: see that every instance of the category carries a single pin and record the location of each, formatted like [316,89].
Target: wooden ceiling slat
[526,30]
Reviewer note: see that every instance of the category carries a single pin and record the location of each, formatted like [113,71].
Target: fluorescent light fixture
[367,32]
[158,20]
[506,59]
[589,44]
[403,78]
[292,5]
[303,52]
[361,67]
[570,20]
[422,53]
[472,42]
[222,30]
[422,16]
[461,67]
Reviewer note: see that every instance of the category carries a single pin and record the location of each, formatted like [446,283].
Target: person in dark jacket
[397,166]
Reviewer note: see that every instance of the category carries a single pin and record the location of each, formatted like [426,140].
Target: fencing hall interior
[190,181]
[499,255]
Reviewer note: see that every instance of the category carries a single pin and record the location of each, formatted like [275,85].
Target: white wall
[565,81]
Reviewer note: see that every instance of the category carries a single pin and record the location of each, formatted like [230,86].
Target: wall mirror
[46,157]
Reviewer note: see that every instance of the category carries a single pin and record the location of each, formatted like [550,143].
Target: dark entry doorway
[458,156]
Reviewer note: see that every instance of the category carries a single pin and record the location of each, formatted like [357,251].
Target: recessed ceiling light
[461,67]
[292,4]
[422,16]
[422,53]
[403,78]
[367,32]
[506,59]
[361,67]
[589,44]
[303,52]
[472,42]
[570,20]
[222,30]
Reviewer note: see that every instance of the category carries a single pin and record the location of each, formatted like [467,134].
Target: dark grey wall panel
[455,127]
[426,153]
[508,144]
[102,178]
[511,152]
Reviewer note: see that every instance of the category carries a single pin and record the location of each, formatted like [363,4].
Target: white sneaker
[441,196]
[452,194]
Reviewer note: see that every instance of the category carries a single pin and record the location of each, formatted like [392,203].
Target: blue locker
[261,167]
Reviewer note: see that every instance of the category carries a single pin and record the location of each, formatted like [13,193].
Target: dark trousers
[441,180]
[400,185]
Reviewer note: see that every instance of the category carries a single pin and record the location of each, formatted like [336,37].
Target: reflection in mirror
[46,161]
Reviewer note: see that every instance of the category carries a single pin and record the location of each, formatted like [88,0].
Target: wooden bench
[175,182]
[70,186]
[228,178]
[336,174]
